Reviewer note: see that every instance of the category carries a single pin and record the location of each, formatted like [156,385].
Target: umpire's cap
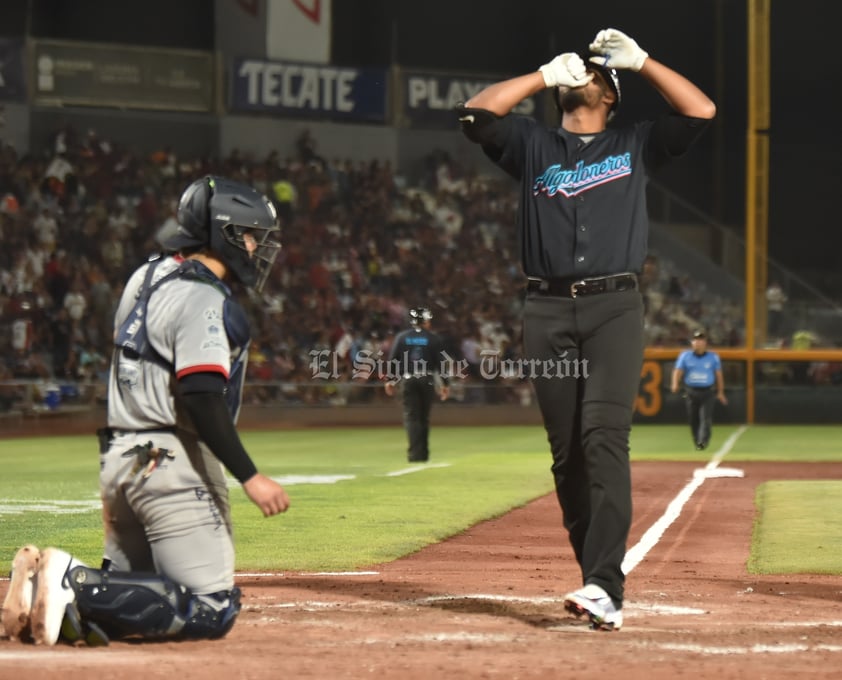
[699,333]
[419,315]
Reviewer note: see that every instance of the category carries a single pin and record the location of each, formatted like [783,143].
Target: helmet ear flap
[193,211]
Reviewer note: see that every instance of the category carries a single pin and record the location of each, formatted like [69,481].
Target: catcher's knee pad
[151,606]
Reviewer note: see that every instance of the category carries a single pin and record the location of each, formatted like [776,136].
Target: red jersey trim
[202,368]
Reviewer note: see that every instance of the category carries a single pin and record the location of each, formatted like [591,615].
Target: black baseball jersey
[582,209]
[417,352]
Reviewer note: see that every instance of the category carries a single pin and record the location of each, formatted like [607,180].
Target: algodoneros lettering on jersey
[580,193]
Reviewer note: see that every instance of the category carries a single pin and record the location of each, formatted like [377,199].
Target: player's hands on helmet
[615,49]
[266,494]
[566,69]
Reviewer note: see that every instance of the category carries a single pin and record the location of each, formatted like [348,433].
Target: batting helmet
[609,75]
[217,214]
[419,315]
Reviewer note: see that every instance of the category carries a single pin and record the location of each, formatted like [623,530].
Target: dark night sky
[705,39]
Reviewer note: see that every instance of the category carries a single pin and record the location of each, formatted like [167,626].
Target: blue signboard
[303,90]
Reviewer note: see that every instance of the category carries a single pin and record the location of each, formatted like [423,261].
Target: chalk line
[650,539]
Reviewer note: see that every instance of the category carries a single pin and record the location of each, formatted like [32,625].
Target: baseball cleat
[17,606]
[593,602]
[52,595]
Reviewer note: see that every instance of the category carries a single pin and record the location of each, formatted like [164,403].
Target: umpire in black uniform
[415,363]
[582,233]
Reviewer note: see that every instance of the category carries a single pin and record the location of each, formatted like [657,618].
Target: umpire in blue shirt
[699,372]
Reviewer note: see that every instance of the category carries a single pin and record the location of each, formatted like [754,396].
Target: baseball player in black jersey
[181,343]
[582,230]
[415,363]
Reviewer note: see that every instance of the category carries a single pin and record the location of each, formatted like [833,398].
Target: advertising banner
[298,30]
[88,74]
[428,99]
[308,90]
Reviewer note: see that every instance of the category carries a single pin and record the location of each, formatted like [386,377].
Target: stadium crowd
[361,245]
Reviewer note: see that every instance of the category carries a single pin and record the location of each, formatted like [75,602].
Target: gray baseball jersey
[185,327]
[165,496]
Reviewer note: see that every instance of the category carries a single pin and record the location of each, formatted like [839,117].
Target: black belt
[574,287]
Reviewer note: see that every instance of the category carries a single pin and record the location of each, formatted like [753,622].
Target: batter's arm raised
[680,93]
[500,98]
[615,49]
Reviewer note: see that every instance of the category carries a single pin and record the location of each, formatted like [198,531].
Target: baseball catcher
[177,371]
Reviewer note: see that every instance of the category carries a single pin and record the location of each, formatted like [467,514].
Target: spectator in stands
[46,228]
[385,239]
[75,300]
[648,279]
[284,195]
[802,339]
[776,298]
[306,146]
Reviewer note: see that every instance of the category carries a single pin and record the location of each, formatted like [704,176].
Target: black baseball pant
[700,402]
[418,395]
[587,415]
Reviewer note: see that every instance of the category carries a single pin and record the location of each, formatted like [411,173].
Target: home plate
[718,472]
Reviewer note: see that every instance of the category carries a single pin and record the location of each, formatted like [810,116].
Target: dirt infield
[487,604]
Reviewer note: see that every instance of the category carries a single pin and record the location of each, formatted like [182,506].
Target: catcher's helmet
[608,74]
[419,315]
[217,213]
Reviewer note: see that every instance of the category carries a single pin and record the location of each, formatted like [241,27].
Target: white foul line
[635,555]
[419,468]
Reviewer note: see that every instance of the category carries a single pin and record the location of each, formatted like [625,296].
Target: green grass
[372,517]
[798,528]
[813,443]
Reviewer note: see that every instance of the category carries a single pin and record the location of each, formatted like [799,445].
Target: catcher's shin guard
[151,606]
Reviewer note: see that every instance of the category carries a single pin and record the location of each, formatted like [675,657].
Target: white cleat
[17,606]
[52,595]
[594,602]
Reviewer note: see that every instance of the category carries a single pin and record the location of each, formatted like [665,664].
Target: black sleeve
[484,128]
[671,136]
[203,399]
[481,126]
[503,138]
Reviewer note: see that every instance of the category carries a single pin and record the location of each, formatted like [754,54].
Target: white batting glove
[566,69]
[617,50]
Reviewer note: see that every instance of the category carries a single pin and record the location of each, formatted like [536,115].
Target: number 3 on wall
[648,402]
